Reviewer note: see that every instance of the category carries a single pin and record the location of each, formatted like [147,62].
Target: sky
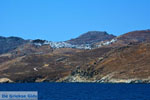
[59,20]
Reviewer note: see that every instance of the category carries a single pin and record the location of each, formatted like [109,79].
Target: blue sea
[82,91]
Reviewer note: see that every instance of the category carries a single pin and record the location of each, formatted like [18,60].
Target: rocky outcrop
[5,80]
[124,81]
[74,78]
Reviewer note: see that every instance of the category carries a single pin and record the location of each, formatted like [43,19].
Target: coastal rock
[75,78]
[124,81]
[5,80]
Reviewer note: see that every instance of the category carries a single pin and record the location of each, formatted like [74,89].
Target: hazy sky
[59,20]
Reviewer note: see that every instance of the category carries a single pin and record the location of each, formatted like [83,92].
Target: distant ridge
[91,37]
[10,43]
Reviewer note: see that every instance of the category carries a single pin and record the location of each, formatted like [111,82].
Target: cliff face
[128,62]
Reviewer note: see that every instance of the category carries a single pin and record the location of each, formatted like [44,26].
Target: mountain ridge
[91,37]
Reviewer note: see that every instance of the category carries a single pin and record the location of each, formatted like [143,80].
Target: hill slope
[124,64]
[127,38]
[125,60]
[91,37]
[10,43]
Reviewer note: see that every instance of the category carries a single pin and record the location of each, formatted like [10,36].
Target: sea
[82,91]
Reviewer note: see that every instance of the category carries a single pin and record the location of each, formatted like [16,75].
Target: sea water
[82,91]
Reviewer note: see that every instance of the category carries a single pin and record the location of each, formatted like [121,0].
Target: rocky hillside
[123,59]
[124,64]
[135,36]
[127,38]
[10,43]
[85,41]
[52,66]
[91,37]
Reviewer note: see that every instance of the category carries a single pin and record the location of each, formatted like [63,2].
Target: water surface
[83,91]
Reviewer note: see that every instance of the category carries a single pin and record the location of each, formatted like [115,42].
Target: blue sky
[59,20]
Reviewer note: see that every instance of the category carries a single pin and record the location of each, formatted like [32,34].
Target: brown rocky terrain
[134,37]
[91,37]
[125,64]
[45,67]
[10,43]
[129,38]
[127,60]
